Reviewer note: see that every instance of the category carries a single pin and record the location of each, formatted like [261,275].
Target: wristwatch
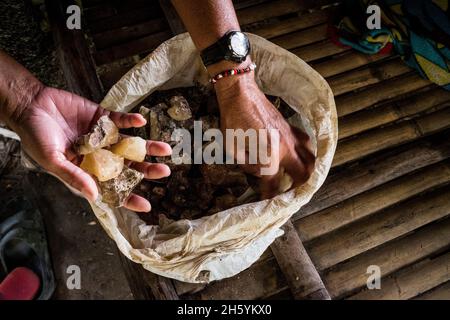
[233,46]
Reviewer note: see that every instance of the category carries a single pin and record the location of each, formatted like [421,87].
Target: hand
[244,106]
[53,120]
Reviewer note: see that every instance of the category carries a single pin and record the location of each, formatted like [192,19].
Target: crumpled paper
[220,246]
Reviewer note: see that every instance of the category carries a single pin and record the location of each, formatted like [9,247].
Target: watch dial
[239,44]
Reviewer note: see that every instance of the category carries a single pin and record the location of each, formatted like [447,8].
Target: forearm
[18,87]
[207,21]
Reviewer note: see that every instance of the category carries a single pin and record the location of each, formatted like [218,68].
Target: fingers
[127,120]
[270,185]
[137,203]
[158,148]
[152,170]
[299,167]
[75,177]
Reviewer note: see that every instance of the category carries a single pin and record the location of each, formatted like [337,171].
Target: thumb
[75,177]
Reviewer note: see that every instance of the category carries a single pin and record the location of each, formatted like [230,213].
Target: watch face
[239,44]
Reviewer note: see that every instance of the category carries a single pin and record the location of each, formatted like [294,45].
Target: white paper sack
[220,246]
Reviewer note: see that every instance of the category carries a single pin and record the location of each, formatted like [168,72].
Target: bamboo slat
[98,11]
[375,171]
[267,10]
[349,276]
[378,229]
[302,37]
[128,18]
[372,201]
[131,48]
[346,62]
[390,136]
[441,292]
[128,33]
[367,76]
[412,281]
[369,119]
[318,50]
[292,24]
[379,92]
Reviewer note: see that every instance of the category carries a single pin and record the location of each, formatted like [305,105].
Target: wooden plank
[128,18]
[375,117]
[412,281]
[352,275]
[441,292]
[162,287]
[292,24]
[355,101]
[125,34]
[302,37]
[390,136]
[183,288]
[73,54]
[375,171]
[95,12]
[378,229]
[346,62]
[374,140]
[134,274]
[268,10]
[256,282]
[318,50]
[372,201]
[372,74]
[301,275]
[242,4]
[131,48]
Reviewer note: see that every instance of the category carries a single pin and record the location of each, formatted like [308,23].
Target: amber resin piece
[103,134]
[103,164]
[179,109]
[117,190]
[131,148]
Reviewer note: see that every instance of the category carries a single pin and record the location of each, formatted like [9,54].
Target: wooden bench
[386,201]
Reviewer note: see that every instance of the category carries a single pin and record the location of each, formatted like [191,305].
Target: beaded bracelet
[232,72]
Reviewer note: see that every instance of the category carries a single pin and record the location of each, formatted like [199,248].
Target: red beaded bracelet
[232,72]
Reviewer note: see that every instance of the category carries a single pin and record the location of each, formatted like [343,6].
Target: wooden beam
[302,277]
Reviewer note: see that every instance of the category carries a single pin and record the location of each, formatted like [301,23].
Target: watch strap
[214,53]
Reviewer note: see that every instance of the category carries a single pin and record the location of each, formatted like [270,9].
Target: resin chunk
[179,109]
[116,191]
[103,134]
[131,148]
[103,164]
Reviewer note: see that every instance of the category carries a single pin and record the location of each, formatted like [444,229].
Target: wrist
[20,95]
[235,85]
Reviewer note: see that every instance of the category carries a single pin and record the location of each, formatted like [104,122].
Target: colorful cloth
[417,30]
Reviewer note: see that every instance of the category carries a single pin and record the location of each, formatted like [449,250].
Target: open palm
[52,122]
